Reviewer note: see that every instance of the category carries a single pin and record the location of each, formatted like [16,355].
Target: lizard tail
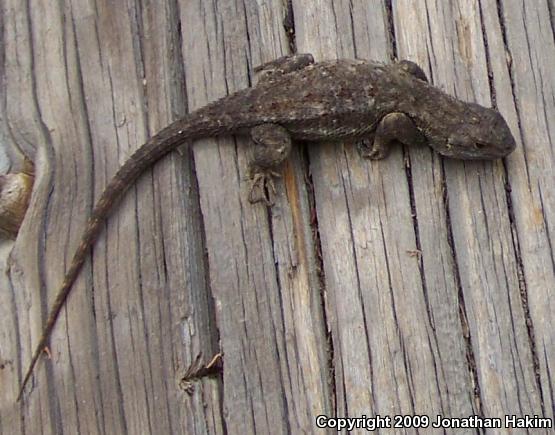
[159,145]
[93,227]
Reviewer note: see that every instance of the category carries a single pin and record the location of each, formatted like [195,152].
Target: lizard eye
[479,145]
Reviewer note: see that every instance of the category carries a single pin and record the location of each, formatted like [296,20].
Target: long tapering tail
[93,228]
[166,140]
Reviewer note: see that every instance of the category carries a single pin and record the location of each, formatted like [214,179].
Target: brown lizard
[297,99]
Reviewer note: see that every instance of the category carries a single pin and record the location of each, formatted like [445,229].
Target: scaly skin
[327,101]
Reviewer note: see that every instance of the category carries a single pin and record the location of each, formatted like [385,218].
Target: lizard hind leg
[413,69]
[283,65]
[392,127]
[272,145]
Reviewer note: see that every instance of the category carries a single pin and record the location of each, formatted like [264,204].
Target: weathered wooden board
[268,336]
[413,285]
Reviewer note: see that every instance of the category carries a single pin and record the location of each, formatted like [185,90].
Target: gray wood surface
[413,285]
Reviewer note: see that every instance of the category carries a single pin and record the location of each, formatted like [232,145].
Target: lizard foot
[283,65]
[263,188]
[393,127]
[368,150]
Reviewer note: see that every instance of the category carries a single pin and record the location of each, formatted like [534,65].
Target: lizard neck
[435,113]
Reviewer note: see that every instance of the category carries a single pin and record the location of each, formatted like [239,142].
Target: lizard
[297,99]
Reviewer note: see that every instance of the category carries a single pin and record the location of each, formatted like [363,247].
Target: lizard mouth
[473,155]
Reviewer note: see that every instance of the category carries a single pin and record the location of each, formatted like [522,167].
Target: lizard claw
[368,149]
[263,188]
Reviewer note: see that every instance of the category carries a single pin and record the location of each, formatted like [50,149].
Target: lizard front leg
[283,65]
[272,145]
[394,126]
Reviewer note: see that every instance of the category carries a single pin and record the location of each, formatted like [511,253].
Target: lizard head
[482,134]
